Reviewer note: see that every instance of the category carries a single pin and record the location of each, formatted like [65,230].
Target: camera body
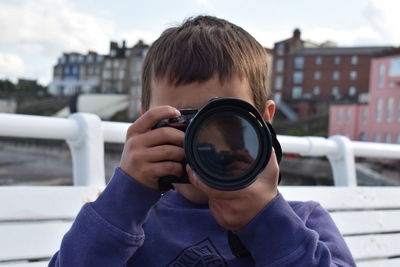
[227,144]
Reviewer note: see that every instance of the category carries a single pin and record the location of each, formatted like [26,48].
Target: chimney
[296,33]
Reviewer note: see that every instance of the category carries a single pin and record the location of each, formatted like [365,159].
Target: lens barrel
[228,144]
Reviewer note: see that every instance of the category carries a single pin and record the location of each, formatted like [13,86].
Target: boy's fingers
[164,153]
[149,119]
[164,135]
[165,168]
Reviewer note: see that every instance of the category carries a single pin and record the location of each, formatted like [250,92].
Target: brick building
[378,121]
[308,77]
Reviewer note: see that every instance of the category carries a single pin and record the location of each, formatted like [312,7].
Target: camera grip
[165,182]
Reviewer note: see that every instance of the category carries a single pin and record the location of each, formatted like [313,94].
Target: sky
[33,34]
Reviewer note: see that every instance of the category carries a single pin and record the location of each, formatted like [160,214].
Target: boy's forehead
[197,94]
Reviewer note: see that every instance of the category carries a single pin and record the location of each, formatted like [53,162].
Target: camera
[227,144]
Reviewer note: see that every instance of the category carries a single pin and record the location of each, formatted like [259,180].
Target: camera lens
[227,145]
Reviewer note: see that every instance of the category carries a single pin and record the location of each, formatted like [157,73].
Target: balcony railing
[86,135]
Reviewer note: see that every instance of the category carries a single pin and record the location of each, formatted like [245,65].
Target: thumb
[192,176]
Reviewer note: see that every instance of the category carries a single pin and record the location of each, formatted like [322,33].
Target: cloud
[53,24]
[43,29]
[383,16]
[205,4]
[356,37]
[11,66]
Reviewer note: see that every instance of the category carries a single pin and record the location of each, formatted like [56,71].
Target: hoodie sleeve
[108,231]
[277,236]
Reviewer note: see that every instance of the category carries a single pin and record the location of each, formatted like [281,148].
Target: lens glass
[226,145]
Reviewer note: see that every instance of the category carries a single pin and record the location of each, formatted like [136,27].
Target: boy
[132,224]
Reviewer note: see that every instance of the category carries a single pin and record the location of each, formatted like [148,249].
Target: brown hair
[202,47]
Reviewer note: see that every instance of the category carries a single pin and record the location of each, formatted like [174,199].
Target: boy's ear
[141,110]
[269,111]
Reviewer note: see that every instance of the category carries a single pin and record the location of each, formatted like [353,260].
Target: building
[77,73]
[114,77]
[378,121]
[308,77]
[135,59]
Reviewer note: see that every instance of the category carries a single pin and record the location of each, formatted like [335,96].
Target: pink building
[379,121]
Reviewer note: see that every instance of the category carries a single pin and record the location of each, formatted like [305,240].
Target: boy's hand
[150,154]
[234,209]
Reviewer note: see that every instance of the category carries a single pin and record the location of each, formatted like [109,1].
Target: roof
[366,50]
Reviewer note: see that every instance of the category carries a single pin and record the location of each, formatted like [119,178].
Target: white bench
[34,219]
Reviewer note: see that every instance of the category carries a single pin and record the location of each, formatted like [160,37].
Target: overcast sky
[33,34]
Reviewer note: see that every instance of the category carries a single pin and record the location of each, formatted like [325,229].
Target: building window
[398,111]
[318,60]
[352,91]
[106,74]
[364,117]
[116,64]
[297,77]
[121,74]
[377,138]
[296,92]
[353,75]
[138,66]
[338,115]
[75,70]
[389,109]
[317,75]
[363,136]
[398,138]
[278,82]
[388,138]
[378,113]
[354,60]
[348,115]
[335,91]
[316,90]
[90,58]
[99,58]
[381,75]
[336,60]
[279,65]
[336,75]
[298,63]
[280,49]
[394,67]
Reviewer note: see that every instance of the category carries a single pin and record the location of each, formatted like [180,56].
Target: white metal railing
[86,133]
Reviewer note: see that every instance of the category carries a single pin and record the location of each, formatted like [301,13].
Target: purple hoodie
[133,225]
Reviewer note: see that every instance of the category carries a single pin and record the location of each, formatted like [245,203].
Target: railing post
[87,150]
[343,162]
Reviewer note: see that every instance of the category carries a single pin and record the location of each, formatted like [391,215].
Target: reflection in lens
[226,145]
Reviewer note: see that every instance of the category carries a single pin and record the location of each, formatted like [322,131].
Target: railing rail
[86,134]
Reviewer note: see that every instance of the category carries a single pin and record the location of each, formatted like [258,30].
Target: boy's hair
[202,47]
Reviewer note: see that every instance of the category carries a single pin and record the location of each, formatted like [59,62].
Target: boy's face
[195,96]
